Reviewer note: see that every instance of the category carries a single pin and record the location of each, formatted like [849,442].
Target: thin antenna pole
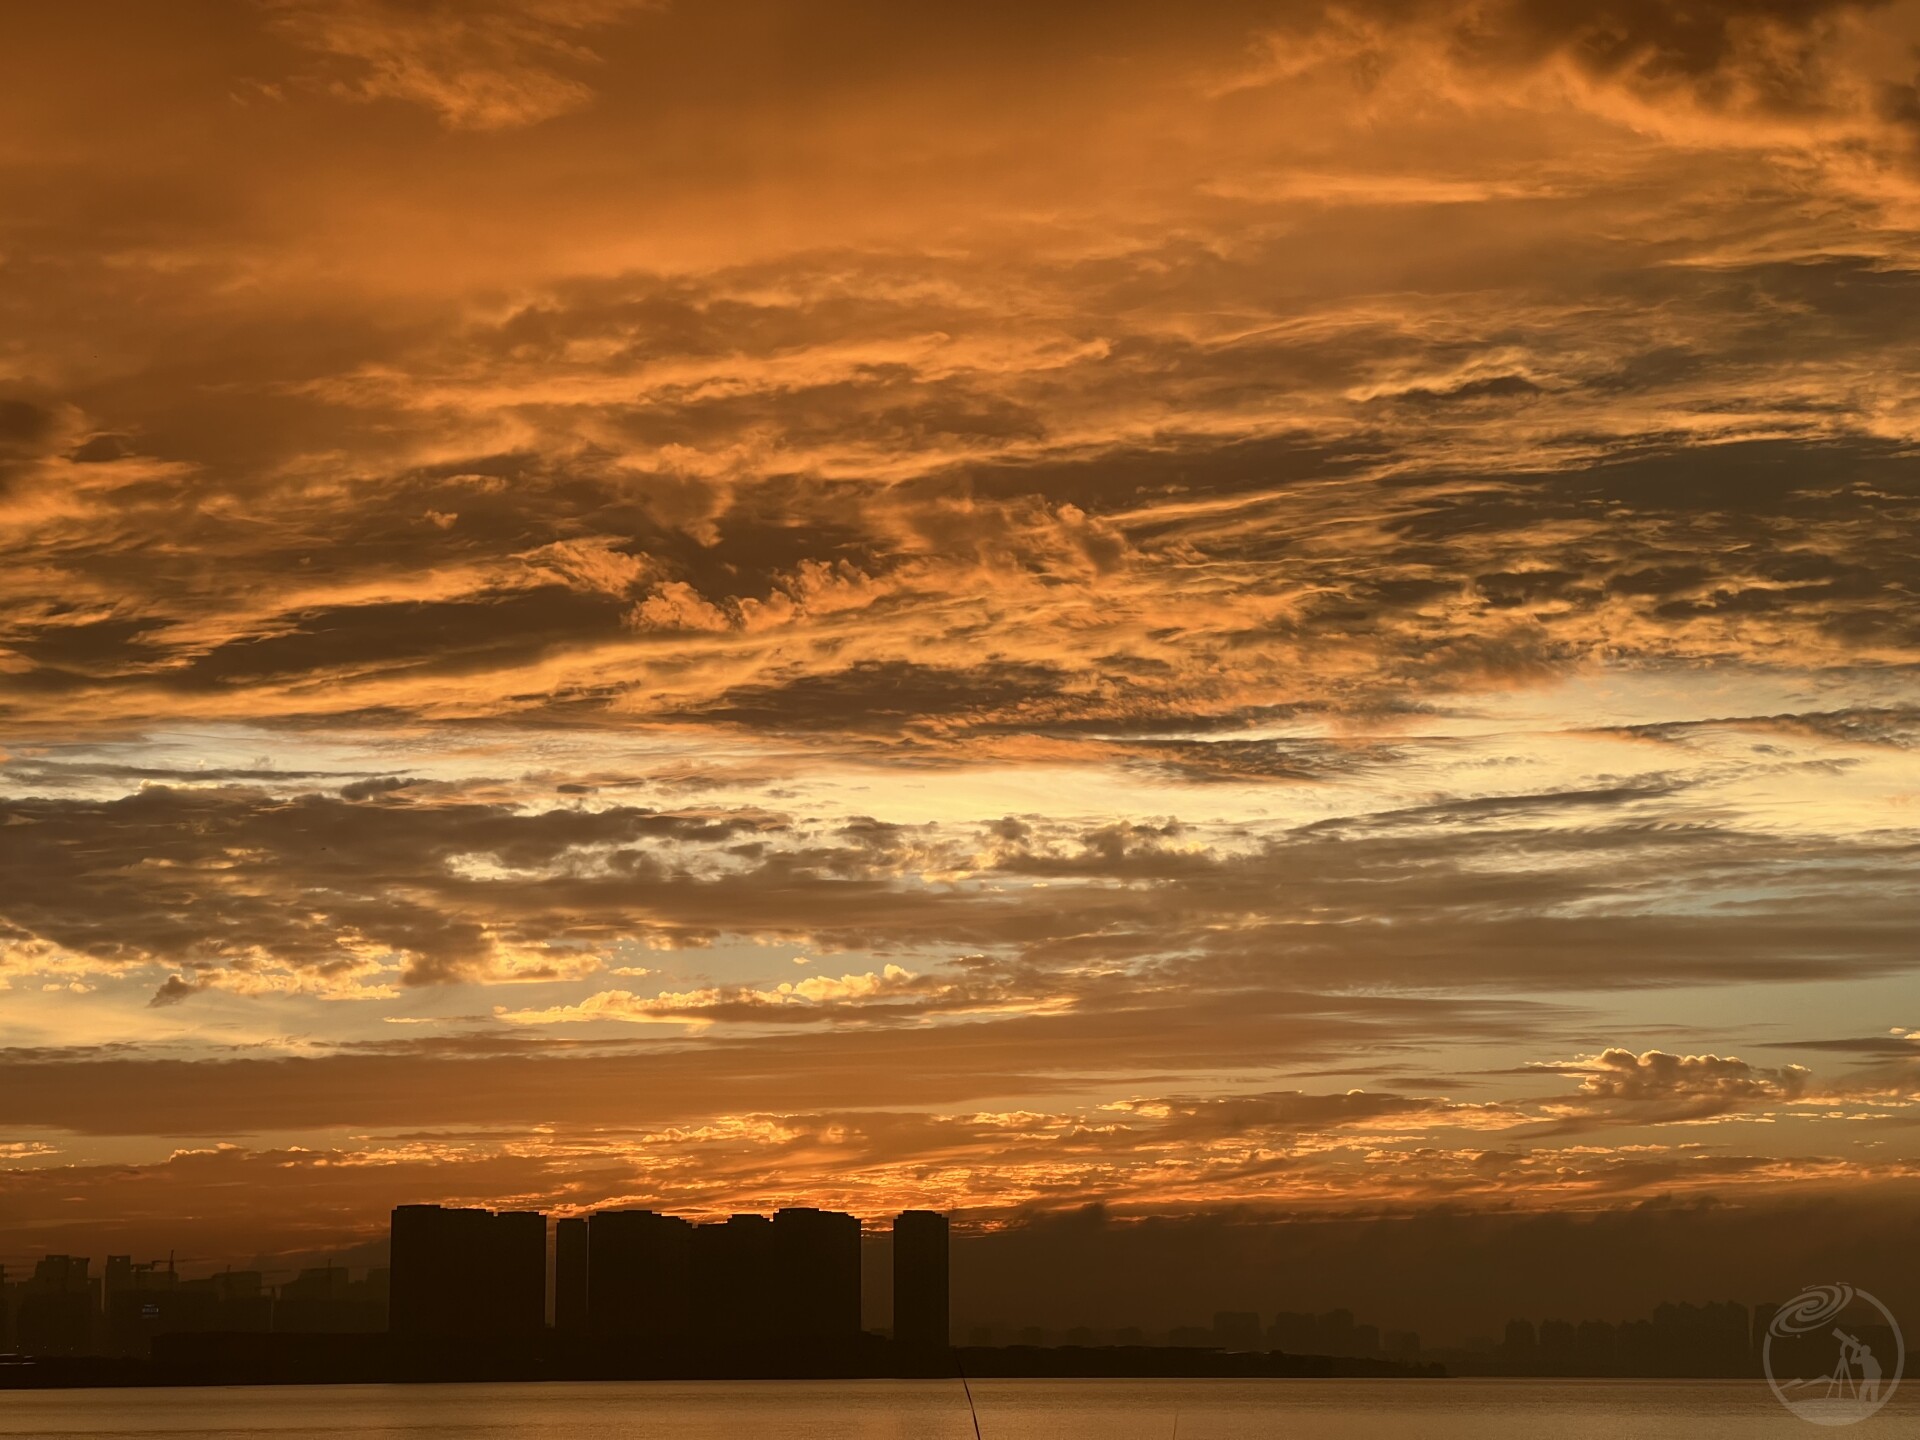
[967,1389]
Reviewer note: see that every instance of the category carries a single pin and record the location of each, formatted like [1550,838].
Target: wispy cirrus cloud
[492,66]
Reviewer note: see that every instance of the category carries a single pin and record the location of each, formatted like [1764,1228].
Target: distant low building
[146,1299]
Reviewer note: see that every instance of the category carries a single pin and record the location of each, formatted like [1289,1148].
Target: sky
[1262,609]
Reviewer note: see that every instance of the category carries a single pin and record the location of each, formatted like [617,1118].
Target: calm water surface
[918,1410]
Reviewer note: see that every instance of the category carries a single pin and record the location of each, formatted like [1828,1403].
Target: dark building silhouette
[748,1280]
[1680,1340]
[519,1264]
[327,1301]
[63,1310]
[143,1301]
[1557,1347]
[468,1272]
[639,1291]
[134,1301]
[1520,1346]
[920,1300]
[1332,1333]
[1595,1348]
[733,1282]
[1635,1349]
[816,1275]
[639,1280]
[570,1315]
[57,1308]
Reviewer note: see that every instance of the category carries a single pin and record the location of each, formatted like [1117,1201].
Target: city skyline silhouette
[636,1293]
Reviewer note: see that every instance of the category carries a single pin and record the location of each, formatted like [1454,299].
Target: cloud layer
[1296,606]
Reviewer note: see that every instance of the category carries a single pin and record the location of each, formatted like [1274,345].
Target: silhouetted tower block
[1338,1334]
[570,1275]
[1295,1332]
[817,1275]
[1636,1348]
[1333,1333]
[1594,1348]
[638,1274]
[735,1290]
[519,1262]
[1559,1348]
[428,1295]
[467,1272]
[1520,1348]
[920,1279]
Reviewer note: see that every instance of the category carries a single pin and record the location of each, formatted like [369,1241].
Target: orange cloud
[1233,579]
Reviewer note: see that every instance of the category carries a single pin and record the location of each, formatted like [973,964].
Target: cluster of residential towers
[789,1280]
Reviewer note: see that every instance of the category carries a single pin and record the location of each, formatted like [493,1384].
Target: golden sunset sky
[710,604]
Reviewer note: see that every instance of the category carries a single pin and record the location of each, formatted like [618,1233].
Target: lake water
[931,1410]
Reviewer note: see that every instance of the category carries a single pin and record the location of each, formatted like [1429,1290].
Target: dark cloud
[376,787]
[22,423]
[1726,50]
[239,886]
[1653,547]
[172,991]
[28,433]
[884,696]
[1896,1045]
[1897,727]
[363,872]
[572,576]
